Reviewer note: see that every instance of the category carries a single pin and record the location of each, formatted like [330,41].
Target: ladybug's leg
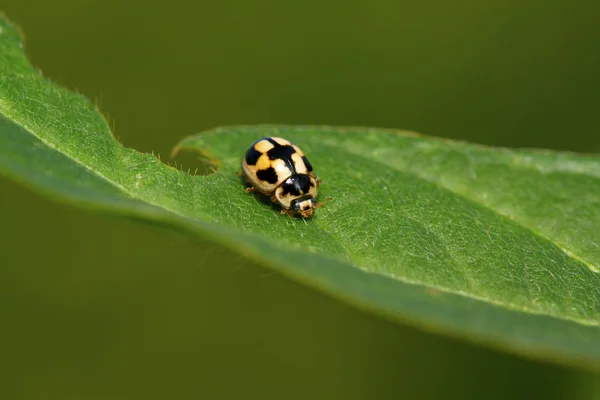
[250,188]
[322,203]
[286,212]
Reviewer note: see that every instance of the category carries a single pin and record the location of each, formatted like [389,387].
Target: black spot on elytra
[279,152]
[252,156]
[296,185]
[308,166]
[267,175]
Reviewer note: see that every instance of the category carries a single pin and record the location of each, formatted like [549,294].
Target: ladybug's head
[304,205]
[297,194]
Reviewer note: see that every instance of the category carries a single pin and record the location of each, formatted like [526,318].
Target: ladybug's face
[304,206]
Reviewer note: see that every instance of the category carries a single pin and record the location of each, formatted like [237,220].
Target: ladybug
[276,168]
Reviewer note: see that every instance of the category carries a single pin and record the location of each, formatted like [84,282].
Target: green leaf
[496,245]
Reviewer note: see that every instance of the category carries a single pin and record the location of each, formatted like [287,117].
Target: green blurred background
[95,307]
